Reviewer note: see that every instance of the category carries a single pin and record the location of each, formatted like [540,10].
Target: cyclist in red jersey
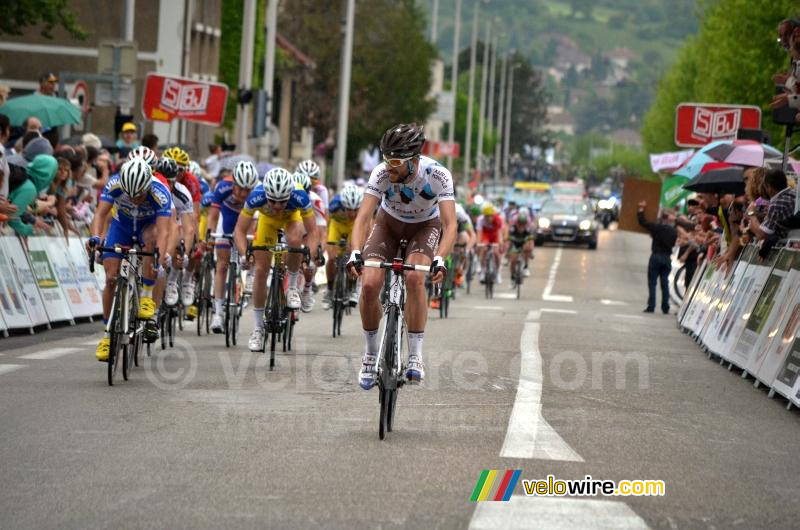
[490,227]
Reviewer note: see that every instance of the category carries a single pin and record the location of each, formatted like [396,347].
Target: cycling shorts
[490,237]
[267,231]
[338,230]
[122,234]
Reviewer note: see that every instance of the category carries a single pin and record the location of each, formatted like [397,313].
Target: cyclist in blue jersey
[138,205]
[227,201]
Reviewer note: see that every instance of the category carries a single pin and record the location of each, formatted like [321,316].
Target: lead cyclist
[418,205]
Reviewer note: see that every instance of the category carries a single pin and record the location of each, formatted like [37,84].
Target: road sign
[444,106]
[167,98]
[80,92]
[697,124]
[127,57]
[104,95]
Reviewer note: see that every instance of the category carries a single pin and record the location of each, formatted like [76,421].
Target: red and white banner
[697,124]
[441,149]
[669,161]
[168,97]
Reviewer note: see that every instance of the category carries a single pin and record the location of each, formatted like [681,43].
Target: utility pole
[451,135]
[269,75]
[434,21]
[482,108]
[344,93]
[490,95]
[498,150]
[468,141]
[245,72]
[509,98]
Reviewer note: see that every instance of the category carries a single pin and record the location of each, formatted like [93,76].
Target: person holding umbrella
[664,236]
[779,210]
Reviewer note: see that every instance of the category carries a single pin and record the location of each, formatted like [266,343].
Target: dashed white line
[547,295]
[559,311]
[7,368]
[632,317]
[606,301]
[529,435]
[488,307]
[521,512]
[49,354]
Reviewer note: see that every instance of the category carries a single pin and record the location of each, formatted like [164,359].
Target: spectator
[151,141]
[31,124]
[35,147]
[4,92]
[40,173]
[129,139]
[664,237]
[47,84]
[5,132]
[779,210]
[92,140]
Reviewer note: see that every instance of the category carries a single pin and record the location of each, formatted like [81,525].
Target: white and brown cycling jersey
[418,199]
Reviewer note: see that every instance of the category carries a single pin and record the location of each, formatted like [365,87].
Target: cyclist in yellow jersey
[281,206]
[343,210]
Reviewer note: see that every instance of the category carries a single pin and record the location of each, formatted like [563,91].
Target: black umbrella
[720,181]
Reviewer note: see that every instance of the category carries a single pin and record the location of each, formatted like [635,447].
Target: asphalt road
[204,437]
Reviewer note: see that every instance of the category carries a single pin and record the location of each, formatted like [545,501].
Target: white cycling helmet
[135,177]
[301,179]
[195,169]
[144,152]
[352,197]
[278,184]
[309,167]
[245,175]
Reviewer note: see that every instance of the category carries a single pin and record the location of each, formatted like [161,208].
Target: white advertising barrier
[787,382]
[3,328]
[81,302]
[719,287]
[57,304]
[698,313]
[32,298]
[88,282]
[713,338]
[691,291]
[697,295]
[769,359]
[753,283]
[755,336]
[12,301]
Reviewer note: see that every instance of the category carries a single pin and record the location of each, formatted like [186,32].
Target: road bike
[170,316]
[469,272]
[234,292]
[279,320]
[124,327]
[203,291]
[343,285]
[489,270]
[389,362]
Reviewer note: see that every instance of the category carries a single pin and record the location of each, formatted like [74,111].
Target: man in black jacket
[664,237]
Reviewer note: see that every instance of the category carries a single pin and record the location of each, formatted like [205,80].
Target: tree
[16,16]
[391,72]
[720,66]
[528,105]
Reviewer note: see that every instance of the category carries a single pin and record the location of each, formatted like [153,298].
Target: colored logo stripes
[495,485]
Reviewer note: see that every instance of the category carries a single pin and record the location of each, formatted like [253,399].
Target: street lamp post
[471,97]
[245,72]
[509,101]
[498,150]
[269,74]
[344,94]
[451,136]
[490,94]
[482,108]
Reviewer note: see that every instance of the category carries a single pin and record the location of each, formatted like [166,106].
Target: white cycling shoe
[415,371]
[307,301]
[368,375]
[187,292]
[171,293]
[256,342]
[216,324]
[293,298]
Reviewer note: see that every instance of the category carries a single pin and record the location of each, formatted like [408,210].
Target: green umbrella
[672,191]
[51,111]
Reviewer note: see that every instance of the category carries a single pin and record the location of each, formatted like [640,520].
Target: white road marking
[547,294]
[559,311]
[6,368]
[606,301]
[529,435]
[489,307]
[506,296]
[92,342]
[521,512]
[49,354]
[633,317]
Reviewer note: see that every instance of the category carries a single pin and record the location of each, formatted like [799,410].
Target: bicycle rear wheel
[173,317]
[199,301]
[129,349]
[162,326]
[116,334]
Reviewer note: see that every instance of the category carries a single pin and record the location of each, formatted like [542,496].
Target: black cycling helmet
[167,167]
[404,140]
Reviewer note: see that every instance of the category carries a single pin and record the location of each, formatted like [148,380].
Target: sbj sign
[697,124]
[167,98]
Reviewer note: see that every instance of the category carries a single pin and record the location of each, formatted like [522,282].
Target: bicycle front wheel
[115,326]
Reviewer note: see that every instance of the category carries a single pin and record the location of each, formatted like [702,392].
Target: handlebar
[125,251]
[398,266]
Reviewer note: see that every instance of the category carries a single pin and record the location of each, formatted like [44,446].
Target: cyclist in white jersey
[417,205]
[318,195]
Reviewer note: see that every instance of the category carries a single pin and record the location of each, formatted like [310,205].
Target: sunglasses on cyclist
[396,162]
[284,201]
